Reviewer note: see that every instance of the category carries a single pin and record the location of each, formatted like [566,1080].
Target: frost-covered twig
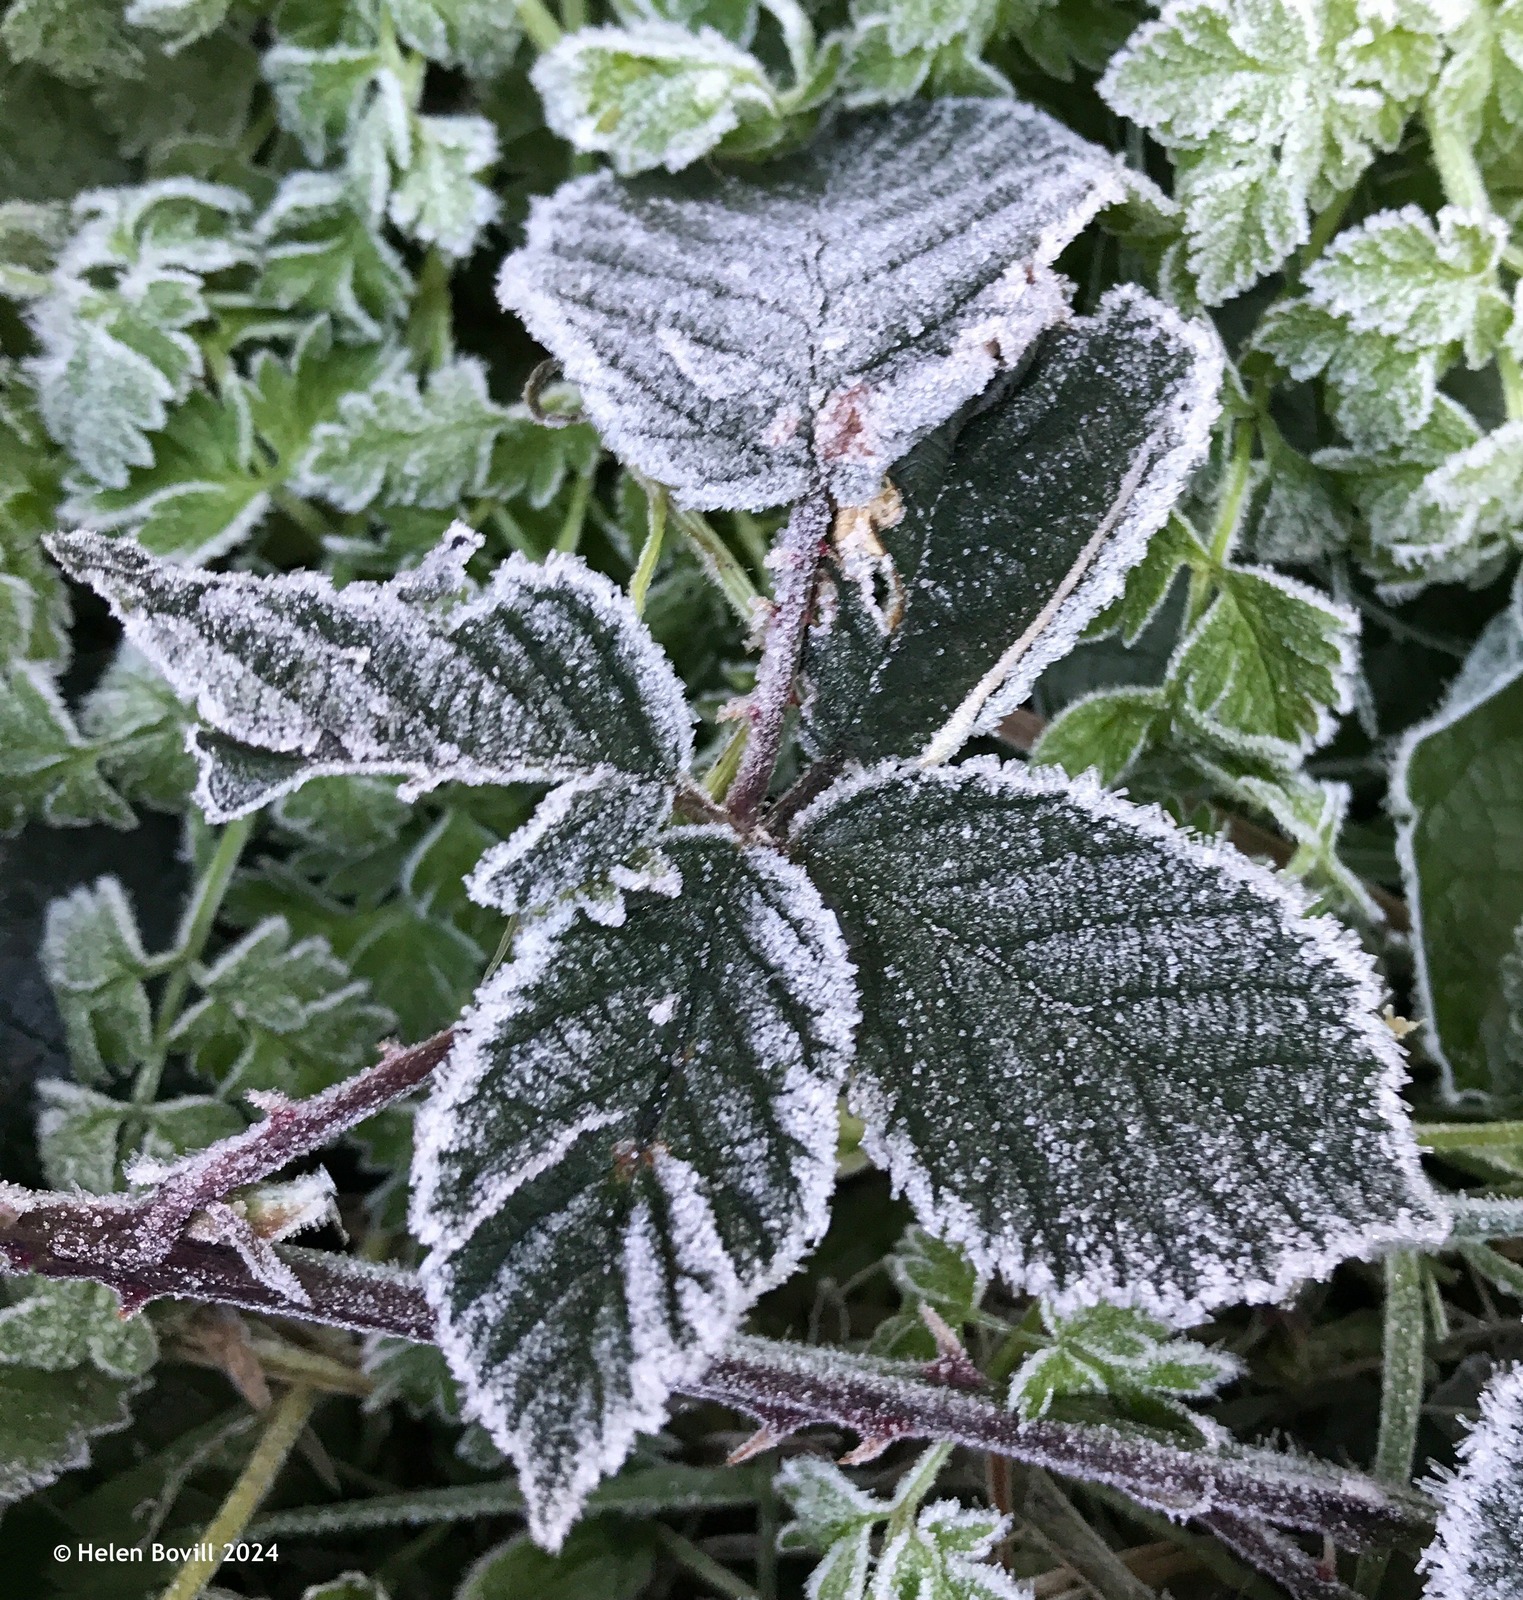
[1276,1557]
[796,564]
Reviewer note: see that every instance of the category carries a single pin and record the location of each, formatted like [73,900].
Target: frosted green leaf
[1104,733]
[1108,1060]
[1454,789]
[1016,530]
[180,22]
[924,24]
[95,964]
[80,41]
[633,1137]
[320,254]
[735,19]
[79,1131]
[1300,521]
[827,1506]
[653,95]
[437,199]
[544,675]
[479,36]
[205,492]
[1269,667]
[589,838]
[55,1324]
[46,769]
[320,93]
[1114,1350]
[600,1561]
[349,816]
[1478,1551]
[873,75]
[30,235]
[408,445]
[927,1273]
[944,1555]
[1173,547]
[348,1586]
[747,341]
[139,724]
[280,1013]
[47,1420]
[414,1375]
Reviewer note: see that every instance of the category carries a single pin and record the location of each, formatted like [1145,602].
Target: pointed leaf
[1016,531]
[546,674]
[1109,1061]
[633,1137]
[745,340]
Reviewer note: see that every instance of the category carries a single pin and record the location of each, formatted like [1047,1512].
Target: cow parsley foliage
[843,685]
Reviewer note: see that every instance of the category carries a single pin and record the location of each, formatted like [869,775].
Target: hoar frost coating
[748,341]
[633,1137]
[1478,1551]
[1110,1061]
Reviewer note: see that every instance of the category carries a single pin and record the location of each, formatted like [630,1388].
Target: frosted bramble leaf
[590,835]
[652,95]
[1015,531]
[546,674]
[437,199]
[46,769]
[55,1324]
[747,341]
[633,1137]
[408,445]
[1454,785]
[1108,1060]
[47,1420]
[1478,1552]
[944,1555]
[1103,733]
[479,36]
[280,1013]
[1117,1351]
[95,964]
[1269,667]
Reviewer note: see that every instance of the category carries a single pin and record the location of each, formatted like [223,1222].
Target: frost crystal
[1478,1553]
[603,1194]
[547,674]
[1109,1061]
[746,341]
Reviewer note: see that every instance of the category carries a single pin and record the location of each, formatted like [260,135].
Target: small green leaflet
[1103,733]
[601,1560]
[480,37]
[1454,788]
[95,964]
[743,340]
[928,1274]
[1108,1060]
[1478,1552]
[546,674]
[138,725]
[896,47]
[1016,530]
[46,769]
[56,1324]
[633,1137]
[943,1555]
[1117,1351]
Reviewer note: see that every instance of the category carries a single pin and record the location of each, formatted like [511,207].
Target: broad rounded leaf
[1017,529]
[633,1138]
[1108,1060]
[749,340]
[546,674]
[1478,1553]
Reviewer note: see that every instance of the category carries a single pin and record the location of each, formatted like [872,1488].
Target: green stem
[1468,1135]
[716,558]
[543,30]
[1511,375]
[282,1431]
[308,518]
[1495,1268]
[650,554]
[1401,1391]
[570,536]
[702,1565]
[719,777]
[1456,163]
[1229,513]
[430,324]
[1327,224]
[573,14]
[749,531]
[913,1488]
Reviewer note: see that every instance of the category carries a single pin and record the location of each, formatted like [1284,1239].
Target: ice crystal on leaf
[1478,1553]
[1015,529]
[748,340]
[1109,1061]
[544,675]
[606,1179]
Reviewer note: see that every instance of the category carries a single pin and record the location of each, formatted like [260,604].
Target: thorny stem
[254,1483]
[795,560]
[200,917]
[1401,1393]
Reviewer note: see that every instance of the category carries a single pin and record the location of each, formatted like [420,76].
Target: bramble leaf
[95,963]
[47,1420]
[55,1324]
[632,1138]
[781,364]
[1109,1061]
[1015,531]
[545,675]
[1104,733]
